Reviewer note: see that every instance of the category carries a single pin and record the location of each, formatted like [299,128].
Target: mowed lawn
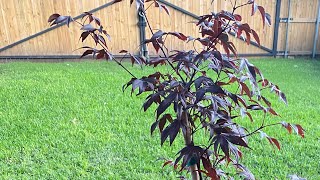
[71,120]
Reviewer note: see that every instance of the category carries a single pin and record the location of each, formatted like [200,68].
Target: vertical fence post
[316,33]
[142,30]
[287,30]
[276,29]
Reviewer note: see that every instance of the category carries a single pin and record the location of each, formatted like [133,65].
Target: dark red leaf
[247,37]
[237,17]
[144,84]
[232,48]
[53,17]
[156,61]
[237,140]
[166,103]
[300,130]
[214,89]
[123,51]
[240,99]
[266,101]
[201,81]
[163,120]
[263,14]
[165,8]
[116,1]
[250,117]
[153,98]
[224,145]
[255,107]
[206,163]
[97,20]
[274,141]
[153,126]
[179,35]
[287,126]
[170,131]
[166,163]
[245,88]
[272,111]
[255,36]
[100,55]
[254,8]
[225,46]
[87,52]
[264,83]
[156,46]
[84,35]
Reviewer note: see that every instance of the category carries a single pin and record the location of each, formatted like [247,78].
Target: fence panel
[21,19]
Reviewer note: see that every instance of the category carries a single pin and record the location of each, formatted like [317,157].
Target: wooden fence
[25,33]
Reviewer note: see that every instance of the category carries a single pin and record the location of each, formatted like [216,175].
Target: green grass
[72,121]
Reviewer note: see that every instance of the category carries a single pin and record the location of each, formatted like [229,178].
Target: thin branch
[232,3]
[161,48]
[149,6]
[248,3]
[123,67]
[79,23]
[106,49]
[123,57]
[261,127]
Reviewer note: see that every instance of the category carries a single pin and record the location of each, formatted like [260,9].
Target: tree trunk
[188,140]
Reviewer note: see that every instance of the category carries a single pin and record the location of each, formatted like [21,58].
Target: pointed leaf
[87,52]
[299,129]
[287,126]
[165,8]
[263,14]
[283,97]
[166,163]
[153,126]
[254,8]
[256,36]
[88,27]
[166,103]
[274,141]
[53,17]
[170,131]
[153,98]
[268,19]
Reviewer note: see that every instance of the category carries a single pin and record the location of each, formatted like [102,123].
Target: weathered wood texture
[22,18]
[302,26]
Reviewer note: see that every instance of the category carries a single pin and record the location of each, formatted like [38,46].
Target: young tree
[198,88]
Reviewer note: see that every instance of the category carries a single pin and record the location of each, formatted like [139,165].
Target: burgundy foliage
[199,102]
